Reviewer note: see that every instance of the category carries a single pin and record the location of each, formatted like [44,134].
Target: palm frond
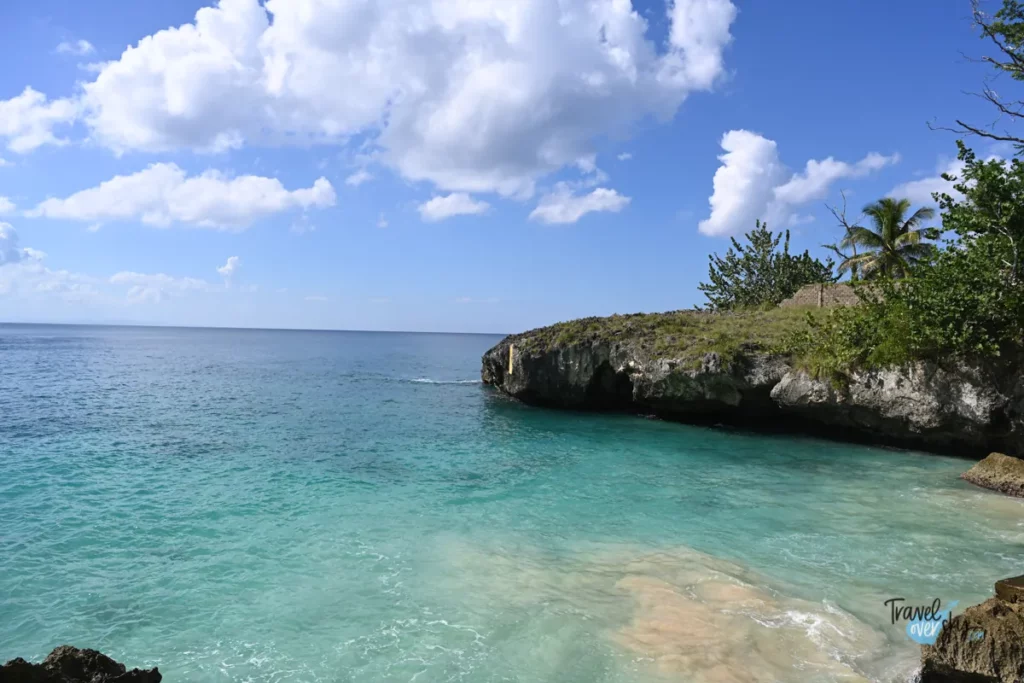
[908,238]
[862,262]
[863,237]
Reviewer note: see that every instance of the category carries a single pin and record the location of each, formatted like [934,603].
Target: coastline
[962,410]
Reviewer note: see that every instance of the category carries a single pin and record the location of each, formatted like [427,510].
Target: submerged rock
[985,644]
[68,664]
[1000,473]
[632,363]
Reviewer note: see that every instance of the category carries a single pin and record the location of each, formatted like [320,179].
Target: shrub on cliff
[758,274]
[967,303]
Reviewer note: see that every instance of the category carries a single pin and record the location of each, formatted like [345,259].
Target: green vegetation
[758,274]
[965,303]
[895,244]
[682,335]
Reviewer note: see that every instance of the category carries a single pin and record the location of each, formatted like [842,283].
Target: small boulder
[68,664]
[1000,473]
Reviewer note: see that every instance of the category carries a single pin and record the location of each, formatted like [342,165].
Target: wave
[427,380]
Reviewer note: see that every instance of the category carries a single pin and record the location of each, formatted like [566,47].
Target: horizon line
[4,323]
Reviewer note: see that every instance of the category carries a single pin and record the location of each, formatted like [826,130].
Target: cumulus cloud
[78,48]
[920,191]
[752,183]
[163,195]
[28,120]
[625,156]
[6,205]
[4,162]
[471,95]
[147,288]
[358,178]
[455,204]
[818,177]
[563,206]
[231,267]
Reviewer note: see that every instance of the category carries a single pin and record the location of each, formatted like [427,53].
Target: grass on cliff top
[676,334]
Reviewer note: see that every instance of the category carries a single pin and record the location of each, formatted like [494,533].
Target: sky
[447,165]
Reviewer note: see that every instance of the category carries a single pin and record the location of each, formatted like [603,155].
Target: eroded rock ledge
[68,664]
[968,411]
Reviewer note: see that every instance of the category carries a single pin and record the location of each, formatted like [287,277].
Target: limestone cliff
[626,366]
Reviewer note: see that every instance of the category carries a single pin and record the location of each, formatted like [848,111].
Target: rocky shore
[68,664]
[683,366]
[985,644]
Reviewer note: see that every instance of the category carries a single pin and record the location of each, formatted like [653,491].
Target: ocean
[283,506]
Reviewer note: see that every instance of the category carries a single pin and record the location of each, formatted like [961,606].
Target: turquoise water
[302,506]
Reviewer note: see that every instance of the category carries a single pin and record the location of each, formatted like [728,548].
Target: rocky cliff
[692,367]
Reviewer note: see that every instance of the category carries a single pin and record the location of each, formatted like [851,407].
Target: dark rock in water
[1000,473]
[985,644]
[961,410]
[68,664]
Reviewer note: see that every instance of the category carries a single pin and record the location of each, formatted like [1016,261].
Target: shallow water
[301,506]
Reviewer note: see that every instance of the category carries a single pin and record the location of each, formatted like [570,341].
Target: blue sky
[573,151]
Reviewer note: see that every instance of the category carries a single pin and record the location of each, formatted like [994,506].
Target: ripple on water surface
[288,506]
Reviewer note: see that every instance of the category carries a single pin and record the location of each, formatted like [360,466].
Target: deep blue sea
[277,507]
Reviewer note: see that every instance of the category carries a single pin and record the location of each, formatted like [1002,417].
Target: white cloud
[231,267]
[359,177]
[4,162]
[10,252]
[163,195]
[471,95]
[818,177]
[78,48]
[22,272]
[28,120]
[625,156]
[455,204]
[382,221]
[146,288]
[752,183]
[744,184]
[700,29]
[6,205]
[562,206]
[316,298]
[920,191]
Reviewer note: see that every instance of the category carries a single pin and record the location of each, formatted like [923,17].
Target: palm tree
[894,245]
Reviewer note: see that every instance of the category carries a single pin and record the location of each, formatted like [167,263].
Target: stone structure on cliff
[68,664]
[962,410]
[823,295]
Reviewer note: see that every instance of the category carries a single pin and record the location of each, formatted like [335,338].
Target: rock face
[68,664]
[1000,473]
[985,644]
[964,411]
